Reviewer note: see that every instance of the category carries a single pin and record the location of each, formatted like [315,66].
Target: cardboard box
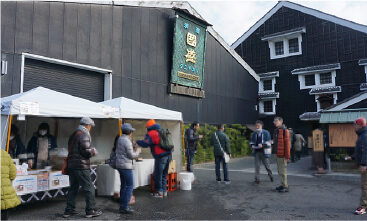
[42,182]
[25,184]
[57,180]
[172,167]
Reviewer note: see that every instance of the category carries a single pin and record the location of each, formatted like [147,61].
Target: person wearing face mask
[16,147]
[39,147]
[261,139]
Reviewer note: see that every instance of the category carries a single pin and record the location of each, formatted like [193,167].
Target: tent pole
[183,144]
[120,123]
[9,129]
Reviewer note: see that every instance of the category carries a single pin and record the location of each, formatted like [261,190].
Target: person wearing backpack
[125,160]
[161,156]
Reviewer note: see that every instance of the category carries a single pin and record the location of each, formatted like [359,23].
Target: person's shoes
[360,211]
[93,213]
[164,194]
[257,181]
[227,182]
[68,213]
[157,195]
[271,179]
[279,187]
[283,189]
[127,210]
[219,181]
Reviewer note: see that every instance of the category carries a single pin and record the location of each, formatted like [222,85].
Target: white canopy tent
[138,114]
[130,109]
[44,105]
[41,101]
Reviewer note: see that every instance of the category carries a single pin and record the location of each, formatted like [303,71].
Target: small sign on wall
[342,135]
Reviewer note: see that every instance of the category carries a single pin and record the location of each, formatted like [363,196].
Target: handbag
[226,156]
[64,169]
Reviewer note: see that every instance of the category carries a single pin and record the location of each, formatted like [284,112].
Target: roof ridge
[307,10]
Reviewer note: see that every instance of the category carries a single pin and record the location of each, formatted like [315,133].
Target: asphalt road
[310,198]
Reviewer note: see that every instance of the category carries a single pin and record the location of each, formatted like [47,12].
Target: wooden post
[9,129]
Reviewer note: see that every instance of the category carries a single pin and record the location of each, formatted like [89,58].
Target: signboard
[42,182]
[25,184]
[188,53]
[30,108]
[58,180]
[318,140]
[342,135]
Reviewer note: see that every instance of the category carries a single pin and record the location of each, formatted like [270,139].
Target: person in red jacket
[281,147]
[162,158]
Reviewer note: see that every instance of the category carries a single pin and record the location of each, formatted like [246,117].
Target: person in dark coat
[360,156]
[80,152]
[191,140]
[38,148]
[220,141]
[16,147]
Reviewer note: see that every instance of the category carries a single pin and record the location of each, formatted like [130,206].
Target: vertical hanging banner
[188,60]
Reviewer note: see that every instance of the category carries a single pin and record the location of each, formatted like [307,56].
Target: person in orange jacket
[281,147]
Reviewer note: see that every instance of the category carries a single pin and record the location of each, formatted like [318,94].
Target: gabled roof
[348,102]
[303,9]
[182,5]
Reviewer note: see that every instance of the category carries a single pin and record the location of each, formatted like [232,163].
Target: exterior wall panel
[136,44]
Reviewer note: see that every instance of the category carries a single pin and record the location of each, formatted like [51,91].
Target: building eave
[315,69]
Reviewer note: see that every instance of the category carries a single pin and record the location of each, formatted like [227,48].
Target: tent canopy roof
[131,109]
[41,101]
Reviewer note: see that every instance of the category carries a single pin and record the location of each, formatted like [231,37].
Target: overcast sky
[233,18]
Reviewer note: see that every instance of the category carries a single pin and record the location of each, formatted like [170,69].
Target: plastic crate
[171,182]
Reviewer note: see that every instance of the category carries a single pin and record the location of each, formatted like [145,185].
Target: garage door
[74,81]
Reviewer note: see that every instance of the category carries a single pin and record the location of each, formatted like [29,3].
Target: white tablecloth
[108,180]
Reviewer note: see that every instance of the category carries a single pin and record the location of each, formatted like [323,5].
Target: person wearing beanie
[162,158]
[360,155]
[125,164]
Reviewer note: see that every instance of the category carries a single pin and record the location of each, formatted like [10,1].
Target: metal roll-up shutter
[74,81]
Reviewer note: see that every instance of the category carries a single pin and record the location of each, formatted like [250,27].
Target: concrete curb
[341,176]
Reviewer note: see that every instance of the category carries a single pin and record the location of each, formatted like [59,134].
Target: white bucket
[186,180]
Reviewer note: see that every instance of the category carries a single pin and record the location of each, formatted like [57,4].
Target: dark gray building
[307,61]
[105,50]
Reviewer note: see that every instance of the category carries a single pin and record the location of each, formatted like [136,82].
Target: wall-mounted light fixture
[4,67]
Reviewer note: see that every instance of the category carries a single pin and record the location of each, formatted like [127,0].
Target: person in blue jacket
[260,140]
[162,158]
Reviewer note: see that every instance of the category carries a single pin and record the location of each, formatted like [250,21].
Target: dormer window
[286,43]
[279,48]
[293,45]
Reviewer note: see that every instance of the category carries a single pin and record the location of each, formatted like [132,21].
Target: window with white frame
[308,81]
[267,85]
[267,107]
[285,44]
